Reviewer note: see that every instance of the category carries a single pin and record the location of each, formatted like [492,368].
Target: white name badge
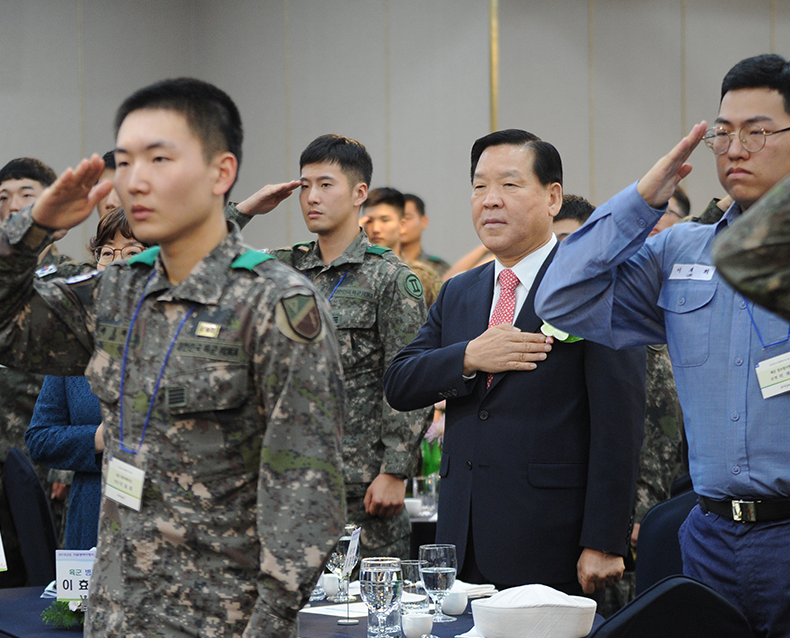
[124,483]
[3,564]
[352,553]
[773,375]
[696,272]
[73,571]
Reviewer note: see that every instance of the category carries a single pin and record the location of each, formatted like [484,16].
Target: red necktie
[506,304]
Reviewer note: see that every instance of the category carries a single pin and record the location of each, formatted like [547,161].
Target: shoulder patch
[147,257]
[373,249]
[47,270]
[76,279]
[298,318]
[249,259]
[410,284]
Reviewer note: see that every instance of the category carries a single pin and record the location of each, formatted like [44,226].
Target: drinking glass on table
[336,562]
[438,566]
[380,585]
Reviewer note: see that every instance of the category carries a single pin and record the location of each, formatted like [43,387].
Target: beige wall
[612,83]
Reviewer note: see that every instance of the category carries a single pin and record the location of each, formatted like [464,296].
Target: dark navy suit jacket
[544,462]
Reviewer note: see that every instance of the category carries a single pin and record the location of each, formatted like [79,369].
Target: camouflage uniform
[377,306]
[243,491]
[753,254]
[430,280]
[437,263]
[661,460]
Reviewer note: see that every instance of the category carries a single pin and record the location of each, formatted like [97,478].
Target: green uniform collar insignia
[377,250]
[147,257]
[248,260]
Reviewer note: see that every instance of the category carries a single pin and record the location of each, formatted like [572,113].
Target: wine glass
[380,585]
[336,562]
[437,566]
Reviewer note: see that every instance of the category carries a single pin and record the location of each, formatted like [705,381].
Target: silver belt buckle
[744,511]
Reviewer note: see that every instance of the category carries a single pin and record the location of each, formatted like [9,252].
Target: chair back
[658,550]
[676,606]
[32,518]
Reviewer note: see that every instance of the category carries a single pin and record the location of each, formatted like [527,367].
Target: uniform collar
[733,212]
[207,281]
[354,254]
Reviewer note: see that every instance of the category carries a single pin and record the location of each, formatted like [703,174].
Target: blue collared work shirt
[608,285]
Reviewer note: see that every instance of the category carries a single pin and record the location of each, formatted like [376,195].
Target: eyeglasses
[752,138]
[105,255]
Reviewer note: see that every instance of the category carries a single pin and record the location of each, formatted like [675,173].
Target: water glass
[336,562]
[426,489]
[415,599]
[438,575]
[381,584]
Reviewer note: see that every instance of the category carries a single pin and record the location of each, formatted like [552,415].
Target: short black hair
[386,195]
[547,164]
[575,207]
[352,157]
[109,160]
[28,168]
[418,203]
[683,200]
[767,71]
[210,113]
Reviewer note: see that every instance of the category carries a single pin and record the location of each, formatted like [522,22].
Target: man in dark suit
[542,436]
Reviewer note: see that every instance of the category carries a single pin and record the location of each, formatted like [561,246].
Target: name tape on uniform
[695,272]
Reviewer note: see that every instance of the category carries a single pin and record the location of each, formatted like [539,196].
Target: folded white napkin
[472,590]
[532,611]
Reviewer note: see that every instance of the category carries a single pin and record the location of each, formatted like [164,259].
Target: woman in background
[66,431]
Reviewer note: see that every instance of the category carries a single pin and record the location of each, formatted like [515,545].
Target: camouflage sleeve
[236,216]
[300,503]
[43,326]
[753,254]
[401,314]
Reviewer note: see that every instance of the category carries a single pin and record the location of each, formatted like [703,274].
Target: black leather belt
[742,511]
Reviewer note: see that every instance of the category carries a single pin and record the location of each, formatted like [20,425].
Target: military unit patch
[303,317]
[410,284]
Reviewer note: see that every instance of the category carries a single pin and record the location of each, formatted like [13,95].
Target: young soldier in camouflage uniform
[219,376]
[377,306]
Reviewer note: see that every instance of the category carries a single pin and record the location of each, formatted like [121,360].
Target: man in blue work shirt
[609,284]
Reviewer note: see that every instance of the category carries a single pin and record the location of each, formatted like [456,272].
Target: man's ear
[359,193]
[227,167]
[423,222]
[554,194]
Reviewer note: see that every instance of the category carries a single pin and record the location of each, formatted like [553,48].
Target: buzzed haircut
[386,195]
[575,207]
[547,164]
[683,201]
[109,226]
[767,71]
[418,203]
[210,113]
[352,157]
[109,160]
[28,168]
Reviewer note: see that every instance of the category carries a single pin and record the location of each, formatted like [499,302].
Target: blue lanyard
[757,330]
[161,371]
[337,285]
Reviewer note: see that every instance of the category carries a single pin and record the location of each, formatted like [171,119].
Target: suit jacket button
[469,464]
[454,393]
[483,415]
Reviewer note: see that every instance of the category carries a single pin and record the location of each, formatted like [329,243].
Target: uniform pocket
[688,312]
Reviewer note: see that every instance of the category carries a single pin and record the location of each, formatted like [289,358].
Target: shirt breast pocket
[688,313]
[217,387]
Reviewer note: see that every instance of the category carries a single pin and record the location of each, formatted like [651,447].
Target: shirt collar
[527,269]
[733,212]
[354,254]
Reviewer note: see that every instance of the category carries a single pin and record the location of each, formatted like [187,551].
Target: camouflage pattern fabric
[377,307]
[662,447]
[437,263]
[430,280]
[243,492]
[753,254]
